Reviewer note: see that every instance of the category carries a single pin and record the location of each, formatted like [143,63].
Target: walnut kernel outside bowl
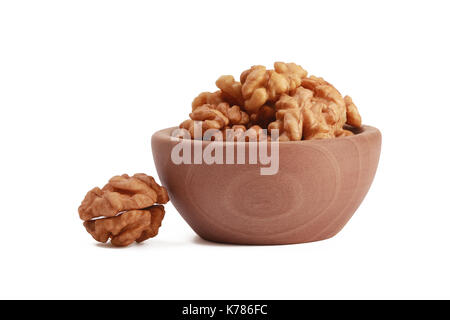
[319,186]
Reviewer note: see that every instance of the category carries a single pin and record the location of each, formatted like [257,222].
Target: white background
[84,84]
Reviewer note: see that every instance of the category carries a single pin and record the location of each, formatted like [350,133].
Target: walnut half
[130,226]
[122,193]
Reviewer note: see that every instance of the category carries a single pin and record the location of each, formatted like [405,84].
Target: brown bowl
[319,185]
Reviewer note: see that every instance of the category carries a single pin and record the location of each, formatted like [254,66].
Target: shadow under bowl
[316,190]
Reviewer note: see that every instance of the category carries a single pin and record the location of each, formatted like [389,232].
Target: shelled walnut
[126,209]
[130,226]
[285,99]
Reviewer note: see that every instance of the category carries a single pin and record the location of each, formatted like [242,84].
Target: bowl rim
[365,130]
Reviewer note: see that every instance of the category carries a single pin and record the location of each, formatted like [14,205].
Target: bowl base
[261,243]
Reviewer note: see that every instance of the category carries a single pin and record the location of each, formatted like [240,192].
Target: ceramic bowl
[318,187]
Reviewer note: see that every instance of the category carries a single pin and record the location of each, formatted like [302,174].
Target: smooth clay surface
[319,185]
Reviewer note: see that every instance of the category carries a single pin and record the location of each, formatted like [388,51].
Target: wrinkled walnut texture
[122,193]
[130,226]
[285,98]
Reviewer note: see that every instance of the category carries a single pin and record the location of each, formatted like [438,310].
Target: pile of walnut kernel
[300,107]
[125,210]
